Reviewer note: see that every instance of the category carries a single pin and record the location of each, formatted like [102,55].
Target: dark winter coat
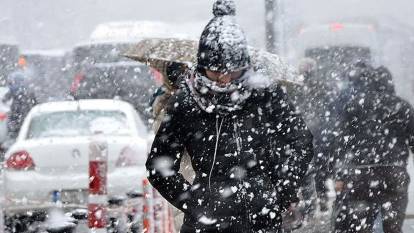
[376,132]
[377,129]
[22,102]
[248,163]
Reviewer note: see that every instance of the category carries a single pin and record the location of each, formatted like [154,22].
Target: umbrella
[159,53]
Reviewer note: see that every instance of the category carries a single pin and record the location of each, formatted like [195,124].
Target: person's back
[22,102]
[379,129]
[377,133]
[378,126]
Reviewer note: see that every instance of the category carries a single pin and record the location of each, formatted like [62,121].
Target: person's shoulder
[401,105]
[272,98]
[273,91]
[181,100]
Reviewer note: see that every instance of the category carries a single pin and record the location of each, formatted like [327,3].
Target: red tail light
[3,116]
[127,158]
[20,160]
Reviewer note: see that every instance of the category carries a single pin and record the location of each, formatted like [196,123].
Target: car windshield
[79,123]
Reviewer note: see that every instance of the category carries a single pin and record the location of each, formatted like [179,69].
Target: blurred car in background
[85,55]
[99,52]
[51,154]
[127,81]
[97,65]
[334,48]
[337,46]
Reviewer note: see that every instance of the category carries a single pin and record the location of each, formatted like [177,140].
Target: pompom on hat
[223,45]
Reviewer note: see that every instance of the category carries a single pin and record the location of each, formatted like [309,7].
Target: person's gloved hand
[286,201]
[206,219]
[287,196]
[201,213]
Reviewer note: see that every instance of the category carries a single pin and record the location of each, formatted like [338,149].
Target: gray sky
[60,23]
[315,10]
[42,24]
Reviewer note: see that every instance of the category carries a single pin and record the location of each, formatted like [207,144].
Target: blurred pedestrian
[371,164]
[248,146]
[22,101]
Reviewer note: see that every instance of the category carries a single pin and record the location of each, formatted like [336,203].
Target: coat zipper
[239,143]
[218,131]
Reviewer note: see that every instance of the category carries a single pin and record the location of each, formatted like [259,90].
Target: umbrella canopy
[169,49]
[159,53]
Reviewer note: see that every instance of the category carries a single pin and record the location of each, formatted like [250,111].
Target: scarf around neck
[214,98]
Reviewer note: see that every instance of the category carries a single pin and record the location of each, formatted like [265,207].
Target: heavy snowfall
[266,116]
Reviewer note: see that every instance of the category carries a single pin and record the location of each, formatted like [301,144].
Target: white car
[50,158]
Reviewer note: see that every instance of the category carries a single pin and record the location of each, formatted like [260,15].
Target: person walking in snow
[377,133]
[172,73]
[248,146]
[23,100]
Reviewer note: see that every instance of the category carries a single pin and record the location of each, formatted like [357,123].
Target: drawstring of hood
[218,131]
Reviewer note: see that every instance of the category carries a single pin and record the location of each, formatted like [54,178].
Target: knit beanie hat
[223,45]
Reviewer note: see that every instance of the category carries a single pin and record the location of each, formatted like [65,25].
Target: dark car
[129,81]
[100,71]
[102,52]
[86,55]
